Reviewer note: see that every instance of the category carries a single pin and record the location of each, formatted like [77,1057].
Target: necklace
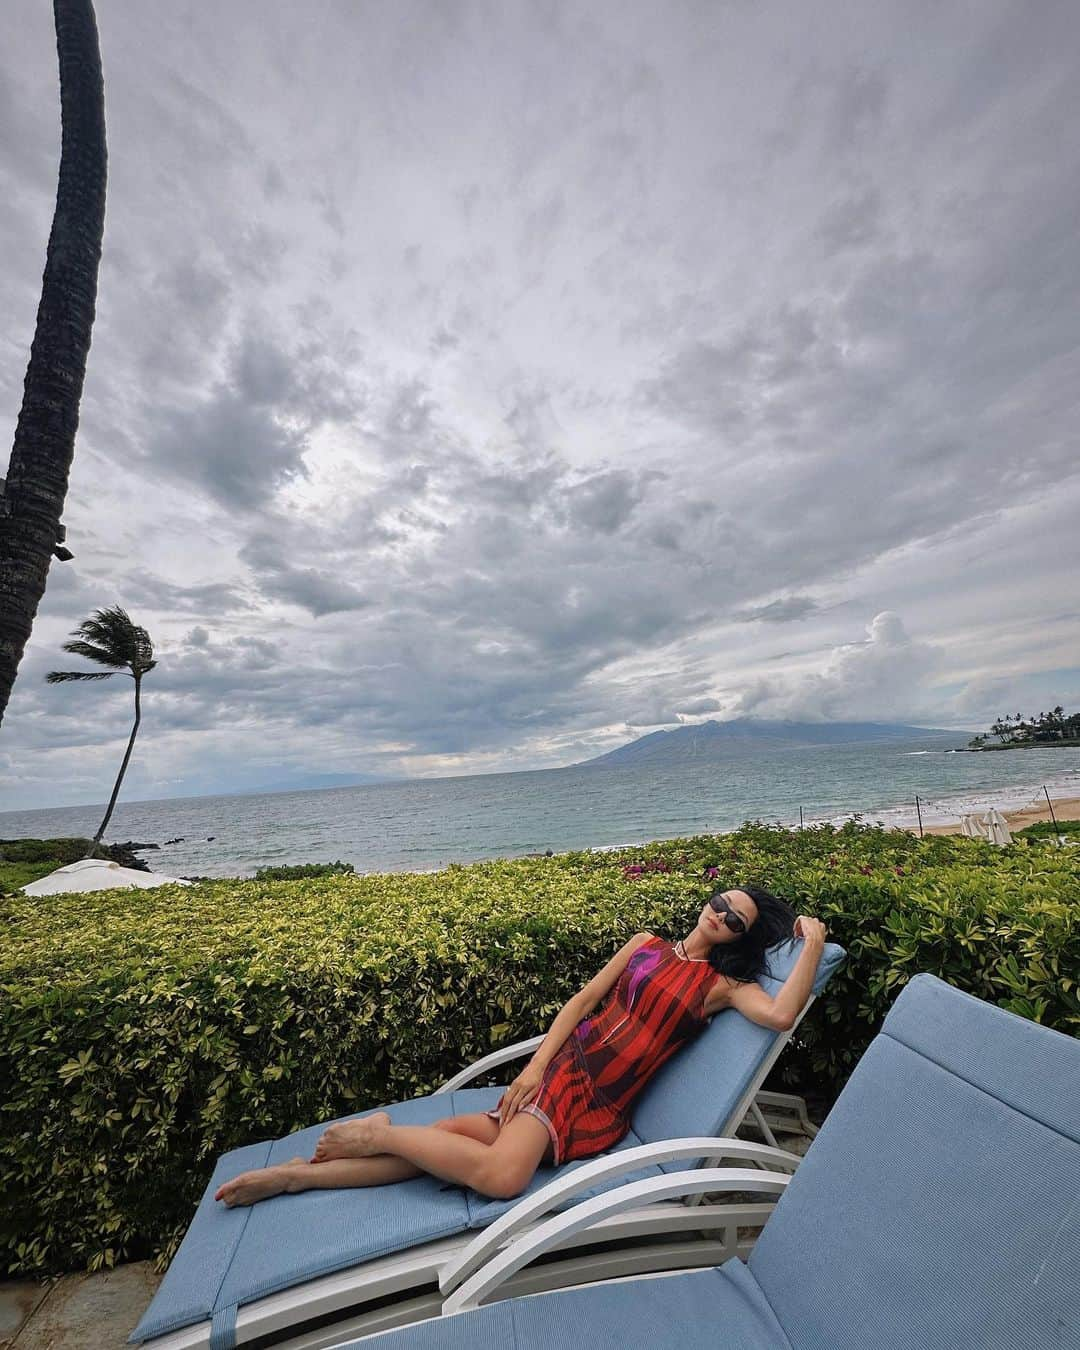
[680,950]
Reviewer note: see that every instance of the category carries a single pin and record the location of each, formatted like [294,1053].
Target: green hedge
[1047,829]
[142,1034]
[301,871]
[59,852]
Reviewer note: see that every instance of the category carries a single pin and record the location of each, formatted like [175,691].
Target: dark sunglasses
[734,921]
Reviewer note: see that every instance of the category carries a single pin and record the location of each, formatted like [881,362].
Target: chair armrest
[561,1226]
[535,1206]
[491,1061]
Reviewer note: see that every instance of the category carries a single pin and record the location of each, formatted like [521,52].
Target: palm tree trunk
[120,775]
[32,501]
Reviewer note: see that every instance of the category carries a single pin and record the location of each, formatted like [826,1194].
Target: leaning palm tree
[111,639]
[32,499]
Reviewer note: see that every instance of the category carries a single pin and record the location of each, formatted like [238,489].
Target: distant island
[712,740]
[1048,730]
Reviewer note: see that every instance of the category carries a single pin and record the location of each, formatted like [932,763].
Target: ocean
[427,823]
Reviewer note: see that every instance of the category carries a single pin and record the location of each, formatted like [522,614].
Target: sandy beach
[1065,808]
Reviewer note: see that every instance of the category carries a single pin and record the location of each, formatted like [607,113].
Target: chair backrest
[940,1203]
[700,1090]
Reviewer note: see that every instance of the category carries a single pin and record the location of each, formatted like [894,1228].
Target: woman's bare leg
[500,1169]
[375,1170]
[300,1175]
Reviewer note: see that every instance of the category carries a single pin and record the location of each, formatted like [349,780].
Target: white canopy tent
[97,874]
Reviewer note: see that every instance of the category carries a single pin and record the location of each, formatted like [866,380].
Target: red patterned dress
[585,1095]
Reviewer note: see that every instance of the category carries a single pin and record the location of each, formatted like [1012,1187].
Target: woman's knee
[502,1181]
[505,1174]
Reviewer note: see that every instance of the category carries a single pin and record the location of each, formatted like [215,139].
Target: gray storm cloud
[472,384]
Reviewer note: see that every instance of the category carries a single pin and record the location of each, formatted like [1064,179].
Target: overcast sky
[476,386]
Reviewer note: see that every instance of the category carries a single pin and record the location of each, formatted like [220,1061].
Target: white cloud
[885,677]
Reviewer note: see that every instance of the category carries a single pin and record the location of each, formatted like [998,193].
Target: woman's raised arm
[782,1012]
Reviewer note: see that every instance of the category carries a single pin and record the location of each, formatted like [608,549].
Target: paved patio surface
[76,1312]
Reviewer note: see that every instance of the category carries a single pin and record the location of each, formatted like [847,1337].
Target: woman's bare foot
[250,1187]
[352,1138]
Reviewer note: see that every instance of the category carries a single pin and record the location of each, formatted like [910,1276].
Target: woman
[573,1098]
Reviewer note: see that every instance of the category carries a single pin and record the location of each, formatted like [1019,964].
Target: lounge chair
[938,1209]
[270,1270]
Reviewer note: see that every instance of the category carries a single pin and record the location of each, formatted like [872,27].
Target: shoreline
[1065,808]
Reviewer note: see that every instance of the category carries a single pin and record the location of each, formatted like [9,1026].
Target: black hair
[746,959]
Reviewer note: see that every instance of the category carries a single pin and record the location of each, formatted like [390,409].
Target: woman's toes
[250,1187]
[228,1189]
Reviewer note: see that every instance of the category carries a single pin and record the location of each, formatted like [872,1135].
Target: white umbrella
[969,825]
[997,828]
[97,874]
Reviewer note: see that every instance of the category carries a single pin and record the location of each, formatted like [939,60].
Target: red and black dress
[585,1095]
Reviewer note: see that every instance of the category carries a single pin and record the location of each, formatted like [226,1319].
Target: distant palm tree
[32,499]
[111,639]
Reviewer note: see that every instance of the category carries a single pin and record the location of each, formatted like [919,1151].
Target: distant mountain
[712,740]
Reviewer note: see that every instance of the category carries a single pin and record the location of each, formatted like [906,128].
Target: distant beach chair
[938,1208]
[369,1258]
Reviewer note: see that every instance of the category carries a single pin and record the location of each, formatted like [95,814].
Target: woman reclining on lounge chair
[573,1098]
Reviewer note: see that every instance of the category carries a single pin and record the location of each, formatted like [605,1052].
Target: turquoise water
[410,826]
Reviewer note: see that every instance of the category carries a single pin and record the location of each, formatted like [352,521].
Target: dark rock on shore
[125,855]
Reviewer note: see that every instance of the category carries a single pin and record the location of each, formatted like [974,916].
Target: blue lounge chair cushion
[717,1309]
[942,1196]
[232,1256]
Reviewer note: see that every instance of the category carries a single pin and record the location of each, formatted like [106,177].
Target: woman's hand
[520,1092]
[811,930]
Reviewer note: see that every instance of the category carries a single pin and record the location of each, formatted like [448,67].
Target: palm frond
[101,655]
[110,638]
[112,630]
[144,652]
[59,676]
